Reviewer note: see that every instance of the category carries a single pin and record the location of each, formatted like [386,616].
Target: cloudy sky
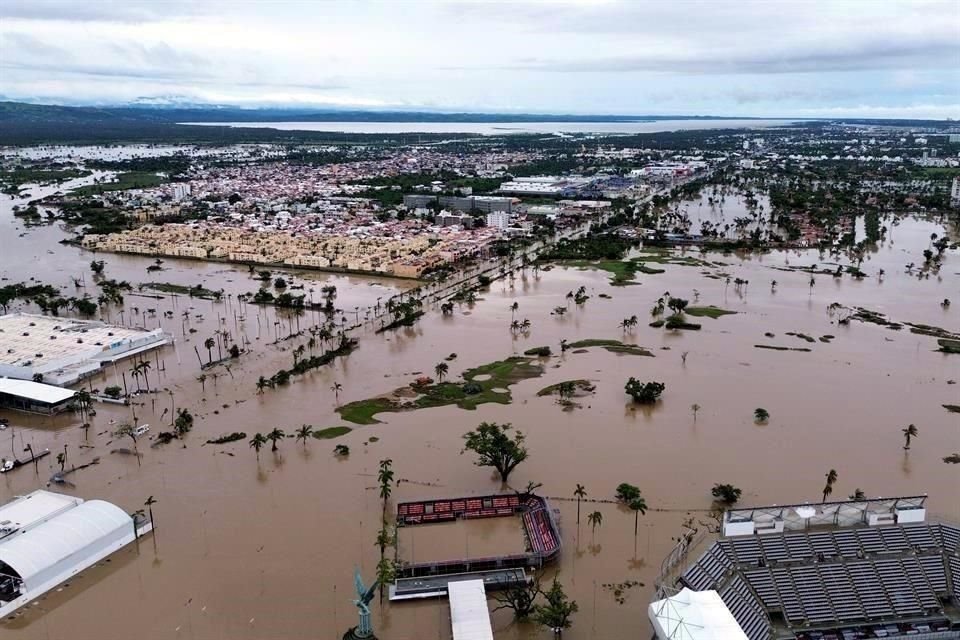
[879,58]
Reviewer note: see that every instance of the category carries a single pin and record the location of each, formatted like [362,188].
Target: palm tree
[262,384]
[513,308]
[909,432]
[303,433]
[257,442]
[336,388]
[441,370]
[580,492]
[202,379]
[148,503]
[209,343]
[694,407]
[274,436]
[144,367]
[638,505]
[595,520]
[831,479]
[61,460]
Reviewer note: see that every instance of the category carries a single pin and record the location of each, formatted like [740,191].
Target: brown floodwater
[267,549]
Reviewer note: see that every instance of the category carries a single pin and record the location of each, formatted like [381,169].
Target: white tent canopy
[58,545]
[694,615]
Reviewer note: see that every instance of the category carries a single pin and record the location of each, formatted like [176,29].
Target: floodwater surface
[265,547]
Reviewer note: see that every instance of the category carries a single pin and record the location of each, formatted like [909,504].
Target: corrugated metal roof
[469,615]
[36,391]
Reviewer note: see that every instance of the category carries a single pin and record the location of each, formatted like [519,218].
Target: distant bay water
[505,128]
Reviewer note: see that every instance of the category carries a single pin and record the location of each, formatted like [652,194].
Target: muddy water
[461,539]
[257,549]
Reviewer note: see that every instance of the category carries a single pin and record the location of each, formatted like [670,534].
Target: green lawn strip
[331,432]
[708,312]
[802,336]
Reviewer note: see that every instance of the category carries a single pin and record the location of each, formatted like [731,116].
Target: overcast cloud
[867,58]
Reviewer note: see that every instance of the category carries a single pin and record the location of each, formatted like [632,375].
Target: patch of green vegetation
[927,330]
[709,312]
[656,324]
[469,395]
[233,437]
[623,272]
[948,346]
[776,348]
[331,432]
[666,256]
[953,458]
[362,411]
[802,336]
[677,322]
[196,291]
[826,338]
[11,180]
[127,180]
[952,408]
[613,346]
[584,386]
[542,352]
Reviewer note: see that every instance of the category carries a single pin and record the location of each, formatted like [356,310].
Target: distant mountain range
[156,120]
[169,109]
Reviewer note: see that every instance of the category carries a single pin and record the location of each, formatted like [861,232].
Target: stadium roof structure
[881,568]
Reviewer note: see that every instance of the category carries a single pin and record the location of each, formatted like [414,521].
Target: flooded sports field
[264,545]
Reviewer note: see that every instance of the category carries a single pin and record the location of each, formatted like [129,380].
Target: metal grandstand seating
[951,537]
[746,609]
[832,579]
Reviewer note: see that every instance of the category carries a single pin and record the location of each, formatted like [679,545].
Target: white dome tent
[48,538]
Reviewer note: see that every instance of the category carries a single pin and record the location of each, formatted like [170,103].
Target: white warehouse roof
[694,615]
[35,391]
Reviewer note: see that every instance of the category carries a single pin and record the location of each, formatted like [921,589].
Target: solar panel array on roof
[832,578]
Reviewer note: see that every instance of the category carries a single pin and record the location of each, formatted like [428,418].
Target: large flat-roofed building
[35,397]
[853,569]
[47,538]
[65,350]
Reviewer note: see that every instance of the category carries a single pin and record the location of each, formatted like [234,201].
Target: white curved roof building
[47,538]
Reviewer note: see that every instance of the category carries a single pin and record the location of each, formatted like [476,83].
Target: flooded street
[267,549]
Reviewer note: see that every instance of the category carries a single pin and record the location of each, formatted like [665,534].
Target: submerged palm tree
[595,520]
[580,492]
[909,432]
[336,387]
[303,433]
[274,436]
[257,442]
[441,370]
